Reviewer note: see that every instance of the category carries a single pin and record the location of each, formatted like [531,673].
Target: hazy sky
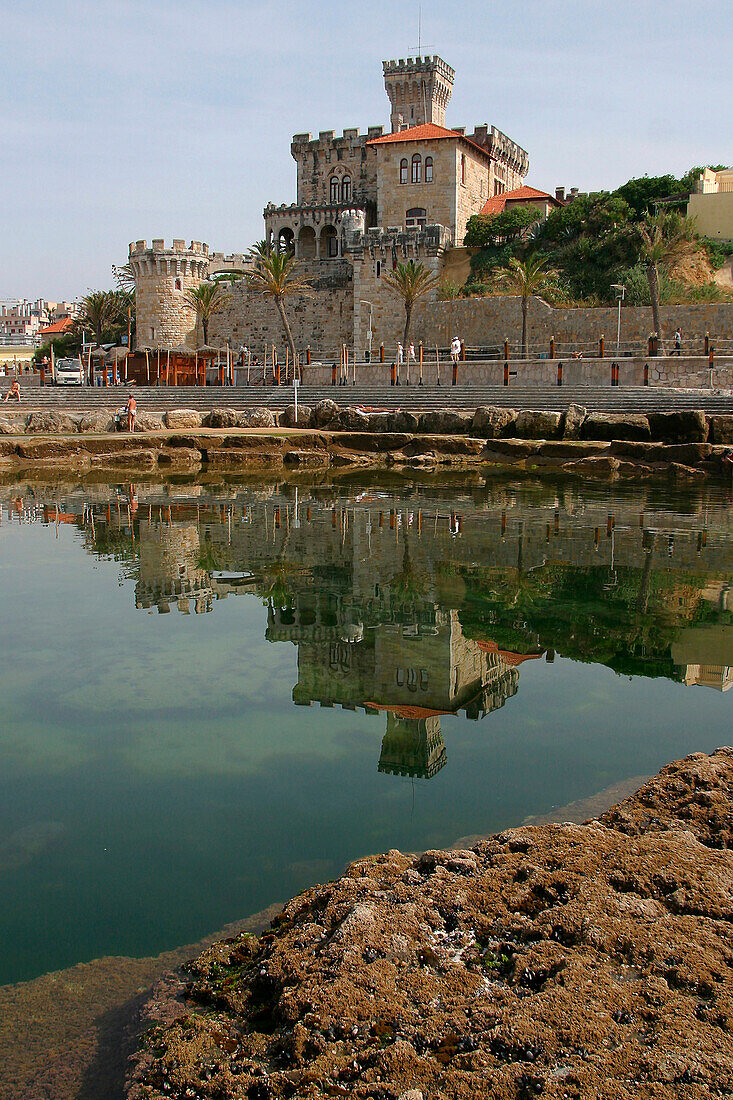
[160,119]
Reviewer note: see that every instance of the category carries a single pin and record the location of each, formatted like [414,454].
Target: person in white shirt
[455,349]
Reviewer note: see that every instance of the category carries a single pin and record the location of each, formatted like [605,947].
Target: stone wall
[323,322]
[488,321]
[471,176]
[346,156]
[162,276]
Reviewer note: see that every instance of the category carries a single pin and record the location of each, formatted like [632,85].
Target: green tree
[278,276]
[666,241]
[207,299]
[643,193]
[527,278]
[487,230]
[410,282]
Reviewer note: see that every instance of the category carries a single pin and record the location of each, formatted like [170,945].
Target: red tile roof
[57,327]
[496,203]
[427,132]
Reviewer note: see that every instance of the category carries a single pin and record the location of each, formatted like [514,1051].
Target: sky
[129,120]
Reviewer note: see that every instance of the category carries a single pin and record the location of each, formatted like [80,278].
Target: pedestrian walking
[677,342]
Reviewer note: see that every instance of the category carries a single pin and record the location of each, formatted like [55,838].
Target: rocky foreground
[580,961]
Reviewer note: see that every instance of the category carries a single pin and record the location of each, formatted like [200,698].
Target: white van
[68,372]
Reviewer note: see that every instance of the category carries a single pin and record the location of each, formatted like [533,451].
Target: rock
[686,473]
[142,458]
[594,466]
[97,422]
[490,421]
[513,448]
[52,423]
[182,418]
[147,422]
[179,458]
[221,418]
[610,426]
[564,449]
[353,420]
[7,447]
[287,417]
[229,458]
[537,424]
[689,454]
[526,965]
[324,414]
[307,459]
[379,422]
[256,418]
[684,426]
[721,428]
[445,422]
[643,452]
[402,421]
[572,421]
[13,424]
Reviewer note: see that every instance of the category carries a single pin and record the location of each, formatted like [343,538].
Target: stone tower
[419,90]
[163,274]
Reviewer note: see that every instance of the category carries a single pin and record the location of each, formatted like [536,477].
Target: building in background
[711,204]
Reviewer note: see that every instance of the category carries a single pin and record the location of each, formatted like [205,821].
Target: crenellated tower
[164,318]
[419,90]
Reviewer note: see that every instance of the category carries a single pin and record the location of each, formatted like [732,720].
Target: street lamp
[369,333]
[620,295]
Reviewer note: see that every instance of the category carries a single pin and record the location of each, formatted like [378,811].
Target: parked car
[68,372]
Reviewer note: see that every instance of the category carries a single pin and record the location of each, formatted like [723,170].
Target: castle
[364,203]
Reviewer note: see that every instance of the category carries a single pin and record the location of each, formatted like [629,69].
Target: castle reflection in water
[423,603]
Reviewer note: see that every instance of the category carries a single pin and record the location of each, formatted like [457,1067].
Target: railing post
[552,347]
[392,376]
[707,343]
[602,347]
[333,373]
[421,362]
[308,355]
[506,348]
[651,344]
[455,374]
[506,372]
[463,351]
[646,374]
[559,374]
[711,357]
[381,353]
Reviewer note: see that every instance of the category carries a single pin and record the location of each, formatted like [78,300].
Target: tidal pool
[215,695]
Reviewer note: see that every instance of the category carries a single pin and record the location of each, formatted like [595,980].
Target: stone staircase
[624,399]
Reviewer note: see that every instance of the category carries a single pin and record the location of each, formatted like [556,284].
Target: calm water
[216,695]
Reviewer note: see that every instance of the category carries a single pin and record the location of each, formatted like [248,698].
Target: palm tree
[667,240]
[207,299]
[526,278]
[99,309]
[277,275]
[410,282]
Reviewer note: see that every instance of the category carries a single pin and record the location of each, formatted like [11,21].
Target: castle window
[416,218]
[346,189]
[333,246]
[417,168]
[334,189]
[428,169]
[379,268]
[403,170]
[178,284]
[463,168]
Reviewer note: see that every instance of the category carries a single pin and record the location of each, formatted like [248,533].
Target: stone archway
[329,243]
[307,243]
[286,240]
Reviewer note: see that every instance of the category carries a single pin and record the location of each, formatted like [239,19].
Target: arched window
[428,169]
[416,218]
[403,170]
[334,189]
[346,189]
[417,168]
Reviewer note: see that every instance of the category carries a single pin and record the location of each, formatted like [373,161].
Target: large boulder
[325,414]
[182,418]
[221,418]
[353,420]
[13,424]
[537,424]
[52,423]
[721,429]
[608,426]
[491,421]
[287,417]
[256,418]
[684,426]
[179,458]
[147,422]
[402,421]
[445,422]
[95,422]
[379,421]
[573,420]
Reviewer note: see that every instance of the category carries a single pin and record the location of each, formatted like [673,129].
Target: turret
[419,90]
[163,274]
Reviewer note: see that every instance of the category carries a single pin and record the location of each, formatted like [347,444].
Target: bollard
[552,347]
[421,361]
[392,374]
[559,374]
[463,351]
[43,374]
[602,347]
[455,374]
[646,374]
[506,348]
[707,343]
[308,355]
[381,353]
[506,372]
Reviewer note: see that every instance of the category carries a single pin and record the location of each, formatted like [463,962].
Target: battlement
[176,247]
[219,261]
[413,66]
[431,240]
[306,143]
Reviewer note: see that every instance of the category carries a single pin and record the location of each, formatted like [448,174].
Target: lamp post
[369,332]
[620,295]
